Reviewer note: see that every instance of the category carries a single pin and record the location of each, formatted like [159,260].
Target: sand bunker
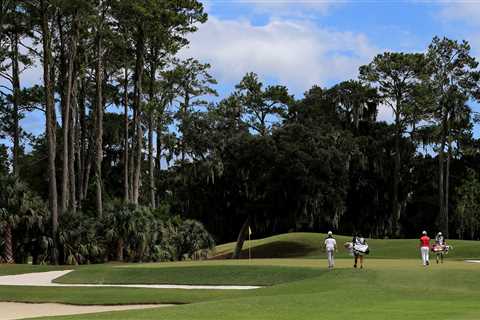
[45,279]
[14,310]
[472,261]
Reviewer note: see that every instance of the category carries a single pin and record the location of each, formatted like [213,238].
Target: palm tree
[11,199]
[128,228]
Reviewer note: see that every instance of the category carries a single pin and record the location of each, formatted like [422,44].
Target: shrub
[79,241]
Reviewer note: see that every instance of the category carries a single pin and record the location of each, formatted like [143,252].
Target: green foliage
[262,106]
[79,241]
[23,216]
[186,239]
[468,206]
[140,234]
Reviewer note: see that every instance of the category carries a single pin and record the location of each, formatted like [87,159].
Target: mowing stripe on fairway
[45,279]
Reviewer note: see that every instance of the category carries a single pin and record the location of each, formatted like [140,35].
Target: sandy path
[14,310]
[44,279]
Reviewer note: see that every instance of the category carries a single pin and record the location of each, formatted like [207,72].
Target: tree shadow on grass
[277,249]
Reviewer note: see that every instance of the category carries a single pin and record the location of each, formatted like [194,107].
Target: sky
[304,43]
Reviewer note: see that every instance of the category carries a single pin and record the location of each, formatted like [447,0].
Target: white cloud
[282,7]
[466,11]
[464,18]
[296,53]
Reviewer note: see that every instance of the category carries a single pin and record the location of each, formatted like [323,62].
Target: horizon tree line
[258,158]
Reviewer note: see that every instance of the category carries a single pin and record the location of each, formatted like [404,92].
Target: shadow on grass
[277,249]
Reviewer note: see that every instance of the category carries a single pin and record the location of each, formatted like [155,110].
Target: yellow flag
[249,231]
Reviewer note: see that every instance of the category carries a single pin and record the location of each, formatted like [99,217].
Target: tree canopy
[139,152]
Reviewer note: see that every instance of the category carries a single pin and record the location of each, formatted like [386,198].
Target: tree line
[127,120]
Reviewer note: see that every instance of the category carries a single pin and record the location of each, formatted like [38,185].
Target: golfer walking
[440,247]
[330,247]
[425,248]
[358,243]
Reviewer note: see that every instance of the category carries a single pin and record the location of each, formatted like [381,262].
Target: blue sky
[302,43]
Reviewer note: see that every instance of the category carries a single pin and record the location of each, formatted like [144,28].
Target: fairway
[293,288]
[399,289]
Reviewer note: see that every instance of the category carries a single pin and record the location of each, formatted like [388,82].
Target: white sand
[14,310]
[44,279]
[472,261]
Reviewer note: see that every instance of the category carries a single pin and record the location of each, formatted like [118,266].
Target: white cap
[329,233]
[439,233]
[424,232]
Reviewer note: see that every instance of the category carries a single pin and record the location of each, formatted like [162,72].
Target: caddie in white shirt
[330,247]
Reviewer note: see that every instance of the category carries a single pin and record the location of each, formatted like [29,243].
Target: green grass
[196,275]
[393,285]
[109,296]
[310,245]
[11,269]
[393,289]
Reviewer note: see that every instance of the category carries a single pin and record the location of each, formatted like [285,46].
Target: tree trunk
[63,84]
[186,104]
[241,239]
[88,169]
[395,230]
[441,179]
[66,115]
[150,161]
[138,108]
[16,103]
[8,244]
[50,122]
[158,158]
[447,186]
[131,161]
[72,150]
[81,144]
[126,196]
[119,253]
[153,71]
[99,124]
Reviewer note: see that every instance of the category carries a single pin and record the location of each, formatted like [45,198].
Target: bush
[142,234]
[25,216]
[79,241]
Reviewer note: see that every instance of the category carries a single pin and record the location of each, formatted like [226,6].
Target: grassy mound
[310,245]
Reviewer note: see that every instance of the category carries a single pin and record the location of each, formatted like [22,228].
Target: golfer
[440,245]
[330,247]
[358,240]
[425,248]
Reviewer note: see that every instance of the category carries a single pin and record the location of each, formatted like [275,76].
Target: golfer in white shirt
[330,247]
